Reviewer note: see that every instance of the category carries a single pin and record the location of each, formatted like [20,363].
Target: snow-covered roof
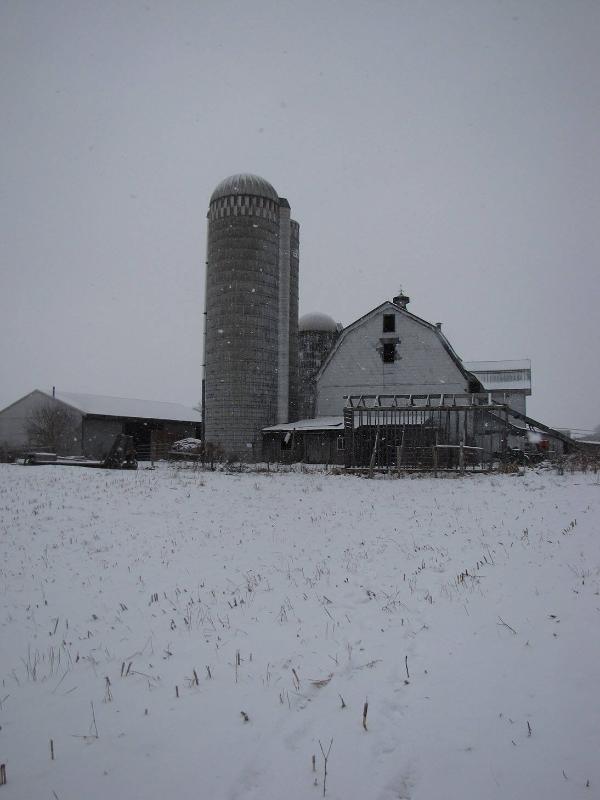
[500,385]
[317,424]
[128,407]
[512,375]
[387,304]
[316,321]
[497,366]
[244,183]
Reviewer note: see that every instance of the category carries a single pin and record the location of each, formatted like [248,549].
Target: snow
[328,587]
[511,376]
[128,407]
[313,424]
[500,384]
[493,366]
[190,444]
[534,437]
[494,376]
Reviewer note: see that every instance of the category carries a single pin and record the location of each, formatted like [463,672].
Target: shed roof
[498,375]
[498,366]
[101,405]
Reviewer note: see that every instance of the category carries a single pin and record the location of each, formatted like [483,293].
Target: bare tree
[53,427]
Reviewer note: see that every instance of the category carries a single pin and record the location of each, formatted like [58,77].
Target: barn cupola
[401,300]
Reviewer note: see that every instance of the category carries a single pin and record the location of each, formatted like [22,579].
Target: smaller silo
[317,334]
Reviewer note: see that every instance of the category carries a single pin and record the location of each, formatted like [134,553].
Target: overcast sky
[451,148]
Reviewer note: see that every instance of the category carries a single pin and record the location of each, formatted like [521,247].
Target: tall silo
[250,329]
[317,335]
[294,380]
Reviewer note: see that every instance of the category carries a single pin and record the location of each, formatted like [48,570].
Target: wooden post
[461,458]
[401,449]
[373,454]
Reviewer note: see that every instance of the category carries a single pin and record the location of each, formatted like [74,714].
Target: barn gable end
[388,351]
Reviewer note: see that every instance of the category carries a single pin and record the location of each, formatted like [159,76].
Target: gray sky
[448,147]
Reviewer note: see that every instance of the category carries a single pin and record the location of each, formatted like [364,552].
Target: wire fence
[149,452]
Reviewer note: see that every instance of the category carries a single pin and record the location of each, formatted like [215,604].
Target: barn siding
[422,365]
[13,421]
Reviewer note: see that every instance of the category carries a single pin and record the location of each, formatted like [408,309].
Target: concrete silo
[251,316]
[316,337]
[294,396]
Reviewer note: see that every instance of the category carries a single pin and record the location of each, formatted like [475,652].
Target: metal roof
[497,366]
[499,375]
[244,183]
[100,405]
[315,321]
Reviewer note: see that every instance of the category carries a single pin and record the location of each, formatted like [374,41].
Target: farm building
[391,389]
[251,314]
[442,431]
[279,388]
[317,333]
[86,424]
[390,351]
[311,441]
[508,381]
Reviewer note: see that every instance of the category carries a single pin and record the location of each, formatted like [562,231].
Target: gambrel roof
[388,305]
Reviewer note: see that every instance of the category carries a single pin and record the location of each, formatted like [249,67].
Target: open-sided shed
[90,423]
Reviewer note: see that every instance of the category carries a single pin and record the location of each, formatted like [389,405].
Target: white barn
[390,351]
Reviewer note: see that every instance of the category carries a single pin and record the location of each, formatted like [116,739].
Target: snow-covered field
[199,635]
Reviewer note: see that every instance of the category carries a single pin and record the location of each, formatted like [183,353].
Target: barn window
[341,444]
[389,323]
[286,442]
[388,352]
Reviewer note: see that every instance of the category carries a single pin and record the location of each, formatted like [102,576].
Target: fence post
[401,449]
[373,454]
[461,458]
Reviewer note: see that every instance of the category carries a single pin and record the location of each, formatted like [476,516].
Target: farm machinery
[121,455]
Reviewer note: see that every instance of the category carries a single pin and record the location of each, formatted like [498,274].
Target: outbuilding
[508,381]
[86,424]
[311,441]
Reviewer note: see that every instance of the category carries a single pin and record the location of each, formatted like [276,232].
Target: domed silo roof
[244,183]
[315,321]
